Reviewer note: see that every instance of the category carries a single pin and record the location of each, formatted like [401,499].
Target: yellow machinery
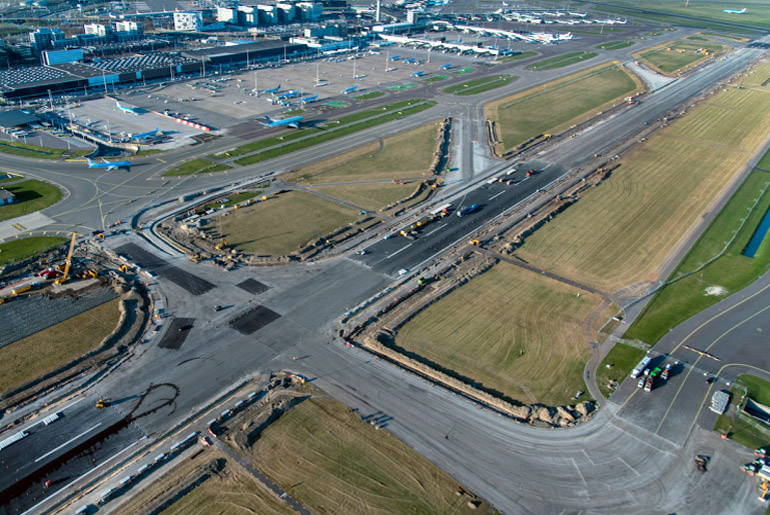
[123,268]
[475,243]
[221,244]
[195,258]
[102,403]
[69,260]
[764,486]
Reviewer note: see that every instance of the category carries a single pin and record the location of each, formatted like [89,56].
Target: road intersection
[632,456]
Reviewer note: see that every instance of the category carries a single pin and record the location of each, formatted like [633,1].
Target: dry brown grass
[510,330]
[47,350]
[281,224]
[404,155]
[228,492]
[372,197]
[620,231]
[555,106]
[333,462]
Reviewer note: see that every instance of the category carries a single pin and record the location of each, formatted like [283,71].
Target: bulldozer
[102,403]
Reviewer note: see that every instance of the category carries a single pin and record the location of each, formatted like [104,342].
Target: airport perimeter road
[607,465]
[733,335]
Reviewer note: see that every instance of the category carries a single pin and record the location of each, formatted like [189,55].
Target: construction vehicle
[69,260]
[195,258]
[123,268]
[666,371]
[532,172]
[474,243]
[21,289]
[221,244]
[93,273]
[547,136]
[764,489]
[102,403]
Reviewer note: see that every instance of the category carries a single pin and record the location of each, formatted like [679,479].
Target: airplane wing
[293,125]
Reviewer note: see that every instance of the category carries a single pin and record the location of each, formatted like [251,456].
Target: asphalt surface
[616,462]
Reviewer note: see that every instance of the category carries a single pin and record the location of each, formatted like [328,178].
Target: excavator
[69,260]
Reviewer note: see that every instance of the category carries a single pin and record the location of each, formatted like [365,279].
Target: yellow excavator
[69,260]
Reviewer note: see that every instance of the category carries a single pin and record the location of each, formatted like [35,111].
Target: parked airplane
[410,60]
[311,98]
[734,11]
[418,74]
[289,94]
[446,66]
[144,135]
[109,165]
[273,90]
[129,110]
[395,57]
[292,122]
[350,89]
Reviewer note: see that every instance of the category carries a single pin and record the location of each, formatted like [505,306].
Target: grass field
[435,78]
[511,331]
[757,13]
[56,346]
[615,45]
[372,197]
[669,58]
[197,166]
[292,135]
[332,462]
[558,104]
[408,154]
[741,431]
[403,156]
[27,150]
[724,35]
[226,492]
[561,60]
[622,358]
[481,85]
[31,195]
[329,135]
[370,95]
[621,230]
[281,224]
[686,297]
[23,248]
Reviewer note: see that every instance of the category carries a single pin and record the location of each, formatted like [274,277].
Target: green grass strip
[24,248]
[196,166]
[262,144]
[31,196]
[23,149]
[489,85]
[701,268]
[561,61]
[370,95]
[331,134]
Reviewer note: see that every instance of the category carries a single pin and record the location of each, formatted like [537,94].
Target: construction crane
[69,260]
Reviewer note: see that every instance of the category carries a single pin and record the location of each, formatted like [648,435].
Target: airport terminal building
[84,78]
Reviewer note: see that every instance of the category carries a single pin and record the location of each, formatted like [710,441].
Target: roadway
[607,464]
